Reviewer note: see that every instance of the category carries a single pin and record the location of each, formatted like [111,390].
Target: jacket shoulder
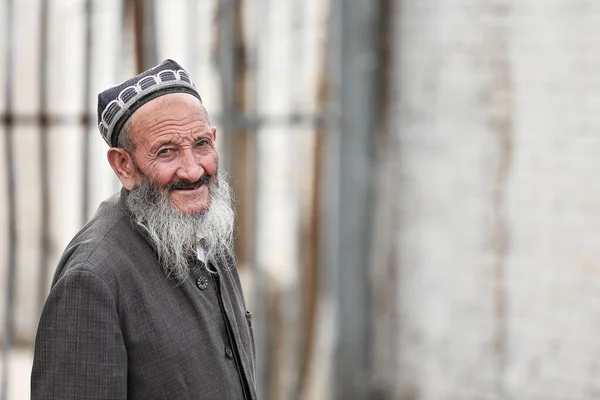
[105,245]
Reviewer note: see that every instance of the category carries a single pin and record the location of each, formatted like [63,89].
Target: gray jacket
[114,327]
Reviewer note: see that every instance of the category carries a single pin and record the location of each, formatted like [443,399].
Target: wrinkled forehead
[175,112]
[169,102]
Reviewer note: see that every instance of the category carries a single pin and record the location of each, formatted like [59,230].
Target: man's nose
[189,168]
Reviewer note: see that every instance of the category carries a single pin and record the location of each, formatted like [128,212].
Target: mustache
[186,184]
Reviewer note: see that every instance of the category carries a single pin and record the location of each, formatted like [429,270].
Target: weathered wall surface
[496,201]
[283,61]
[498,242]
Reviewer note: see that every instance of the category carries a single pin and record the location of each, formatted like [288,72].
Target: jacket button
[202,282]
[228,352]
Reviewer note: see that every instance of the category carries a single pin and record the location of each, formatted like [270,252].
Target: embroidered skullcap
[118,103]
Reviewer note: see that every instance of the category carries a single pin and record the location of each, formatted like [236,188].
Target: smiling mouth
[185,184]
[188,189]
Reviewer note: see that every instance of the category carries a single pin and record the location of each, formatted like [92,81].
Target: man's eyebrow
[160,144]
[202,135]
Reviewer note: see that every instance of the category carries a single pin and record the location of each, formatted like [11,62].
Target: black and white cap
[118,103]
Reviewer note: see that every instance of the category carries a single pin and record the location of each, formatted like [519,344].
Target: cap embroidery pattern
[116,108]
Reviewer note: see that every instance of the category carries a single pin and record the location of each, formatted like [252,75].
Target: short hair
[124,139]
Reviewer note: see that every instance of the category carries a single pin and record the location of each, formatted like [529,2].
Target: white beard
[177,235]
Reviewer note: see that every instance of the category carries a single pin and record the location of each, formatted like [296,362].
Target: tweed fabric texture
[118,103]
[114,327]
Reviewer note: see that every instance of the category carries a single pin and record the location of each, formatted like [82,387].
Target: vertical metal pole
[144,26]
[239,146]
[384,272]
[137,6]
[11,260]
[354,38]
[236,159]
[260,13]
[121,28]
[303,300]
[149,37]
[85,116]
[313,258]
[227,62]
[192,36]
[330,196]
[44,158]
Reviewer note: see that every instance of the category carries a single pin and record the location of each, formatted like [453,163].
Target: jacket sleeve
[79,348]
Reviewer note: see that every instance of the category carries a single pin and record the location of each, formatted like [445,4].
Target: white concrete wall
[499,202]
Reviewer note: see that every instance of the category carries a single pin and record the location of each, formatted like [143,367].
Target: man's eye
[202,143]
[164,151]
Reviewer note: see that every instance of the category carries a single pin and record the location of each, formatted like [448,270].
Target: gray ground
[19,373]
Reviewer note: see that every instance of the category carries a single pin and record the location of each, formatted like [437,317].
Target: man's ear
[122,163]
[214,133]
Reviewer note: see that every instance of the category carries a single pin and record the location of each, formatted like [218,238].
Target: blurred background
[417,181]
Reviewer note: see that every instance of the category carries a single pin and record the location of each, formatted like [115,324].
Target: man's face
[174,148]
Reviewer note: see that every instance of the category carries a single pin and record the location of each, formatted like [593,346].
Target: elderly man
[146,302]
